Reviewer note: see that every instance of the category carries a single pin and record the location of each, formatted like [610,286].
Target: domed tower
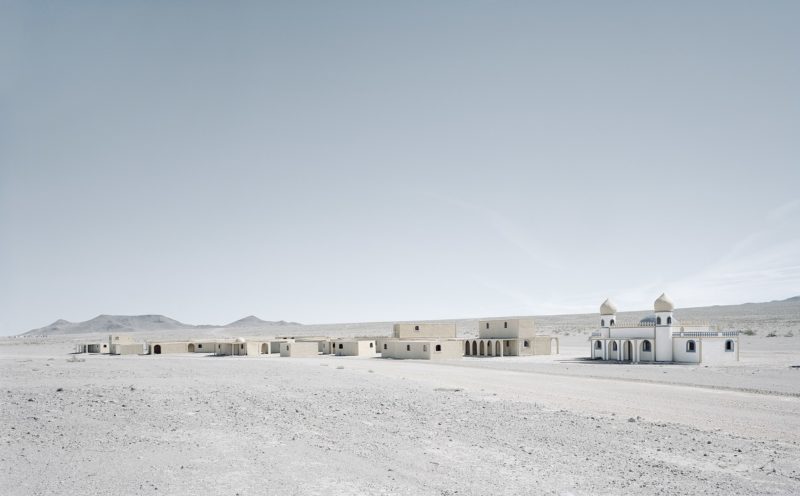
[608,314]
[664,307]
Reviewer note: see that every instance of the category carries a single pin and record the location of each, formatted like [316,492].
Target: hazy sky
[359,161]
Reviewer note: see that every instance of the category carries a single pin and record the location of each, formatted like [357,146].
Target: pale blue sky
[358,161]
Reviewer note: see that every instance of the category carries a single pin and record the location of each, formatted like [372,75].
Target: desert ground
[197,424]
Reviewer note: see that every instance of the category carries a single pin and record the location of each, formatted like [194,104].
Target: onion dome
[663,304]
[608,308]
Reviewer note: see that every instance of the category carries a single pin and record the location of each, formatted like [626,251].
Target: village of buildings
[657,338]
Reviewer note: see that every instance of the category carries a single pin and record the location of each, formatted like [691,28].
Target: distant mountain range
[780,315]
[138,323]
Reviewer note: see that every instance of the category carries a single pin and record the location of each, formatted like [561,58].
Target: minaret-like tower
[664,307]
[608,314]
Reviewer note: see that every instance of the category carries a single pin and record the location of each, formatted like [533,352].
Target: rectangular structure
[421,330]
[423,349]
[506,329]
[299,349]
[353,347]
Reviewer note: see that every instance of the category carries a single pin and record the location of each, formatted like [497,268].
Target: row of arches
[484,347]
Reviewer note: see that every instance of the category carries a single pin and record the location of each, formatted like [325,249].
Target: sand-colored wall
[127,348]
[506,328]
[420,330]
[423,350]
[172,347]
[299,349]
[354,348]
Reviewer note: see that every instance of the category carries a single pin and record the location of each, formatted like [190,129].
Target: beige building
[124,345]
[202,347]
[424,331]
[422,349]
[167,347]
[91,348]
[509,337]
[243,347]
[299,349]
[354,347]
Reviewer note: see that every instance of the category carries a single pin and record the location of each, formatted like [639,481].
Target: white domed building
[660,338]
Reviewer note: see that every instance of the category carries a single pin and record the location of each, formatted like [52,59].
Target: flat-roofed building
[421,330]
[422,349]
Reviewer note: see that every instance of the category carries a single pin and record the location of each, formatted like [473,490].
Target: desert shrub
[749,332]
[771,334]
[788,335]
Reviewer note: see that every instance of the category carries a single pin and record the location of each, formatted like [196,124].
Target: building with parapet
[660,337]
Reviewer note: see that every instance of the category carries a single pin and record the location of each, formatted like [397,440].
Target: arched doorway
[498,351]
[466,348]
[489,350]
[264,348]
[157,349]
[191,347]
[474,348]
[627,351]
[482,349]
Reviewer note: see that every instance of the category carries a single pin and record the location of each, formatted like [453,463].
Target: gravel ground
[190,424]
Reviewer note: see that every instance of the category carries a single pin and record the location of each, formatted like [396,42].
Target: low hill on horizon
[140,323]
[777,315]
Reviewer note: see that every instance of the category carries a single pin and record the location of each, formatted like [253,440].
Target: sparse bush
[749,332]
[771,334]
[788,335]
[74,359]
[339,367]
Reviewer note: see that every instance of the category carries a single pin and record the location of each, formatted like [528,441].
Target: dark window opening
[669,320]
[612,322]
[690,346]
[598,345]
[646,346]
[729,345]
[408,347]
[438,347]
[416,328]
[505,325]
[602,322]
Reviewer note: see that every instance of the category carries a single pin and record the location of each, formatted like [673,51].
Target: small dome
[240,340]
[608,308]
[649,320]
[663,304]
[652,320]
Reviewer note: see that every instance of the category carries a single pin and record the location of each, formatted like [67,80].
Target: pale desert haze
[399,248]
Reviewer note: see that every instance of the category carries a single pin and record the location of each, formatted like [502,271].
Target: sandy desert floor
[195,424]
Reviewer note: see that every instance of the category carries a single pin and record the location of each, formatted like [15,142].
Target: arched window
[371,345]
[646,346]
[612,322]
[341,346]
[408,347]
[525,344]
[658,320]
[505,325]
[416,328]
[669,320]
[487,325]
[424,347]
[690,346]
[602,322]
[729,345]
[614,346]
[438,347]
[598,345]
[384,346]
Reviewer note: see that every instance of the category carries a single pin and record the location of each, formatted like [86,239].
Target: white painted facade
[661,338]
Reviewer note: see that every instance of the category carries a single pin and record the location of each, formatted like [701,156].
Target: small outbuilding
[299,349]
[353,347]
[434,349]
